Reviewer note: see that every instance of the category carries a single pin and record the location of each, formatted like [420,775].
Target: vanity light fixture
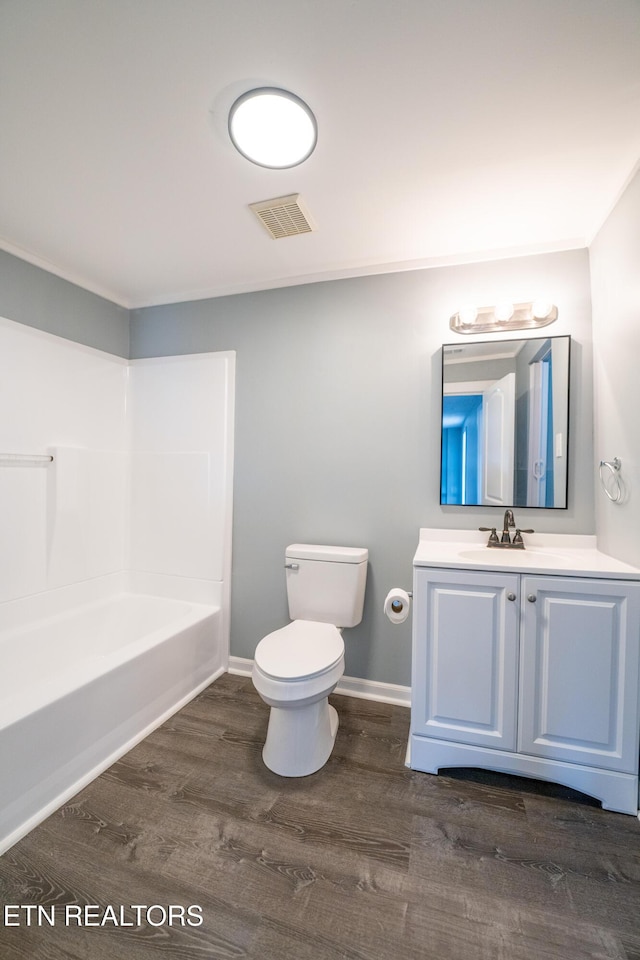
[272,128]
[504,316]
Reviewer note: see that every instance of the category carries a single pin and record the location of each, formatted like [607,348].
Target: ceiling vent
[284,216]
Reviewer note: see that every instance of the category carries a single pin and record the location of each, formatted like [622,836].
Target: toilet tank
[326,583]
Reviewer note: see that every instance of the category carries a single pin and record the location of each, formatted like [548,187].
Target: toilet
[298,666]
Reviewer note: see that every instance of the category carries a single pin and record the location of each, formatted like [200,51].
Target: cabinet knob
[532,598]
[511,596]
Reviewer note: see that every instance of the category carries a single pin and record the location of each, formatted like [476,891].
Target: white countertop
[545,553]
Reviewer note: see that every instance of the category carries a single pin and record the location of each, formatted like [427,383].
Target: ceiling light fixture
[273,128]
[504,316]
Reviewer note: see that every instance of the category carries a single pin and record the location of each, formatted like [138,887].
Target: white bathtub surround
[85,518]
[115,558]
[61,521]
[143,463]
[181,416]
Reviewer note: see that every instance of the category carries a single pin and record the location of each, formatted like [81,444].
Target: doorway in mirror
[505,423]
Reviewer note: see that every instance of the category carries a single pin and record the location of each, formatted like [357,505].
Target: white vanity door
[579,671]
[465,656]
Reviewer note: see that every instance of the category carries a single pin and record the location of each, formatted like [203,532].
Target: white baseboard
[375,690]
[240,666]
[348,686]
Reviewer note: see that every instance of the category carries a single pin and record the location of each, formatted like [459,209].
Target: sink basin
[533,556]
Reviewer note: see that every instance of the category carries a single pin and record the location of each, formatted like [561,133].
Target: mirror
[505,423]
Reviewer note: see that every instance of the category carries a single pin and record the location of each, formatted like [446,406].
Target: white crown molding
[361,270]
[256,286]
[57,271]
[274,283]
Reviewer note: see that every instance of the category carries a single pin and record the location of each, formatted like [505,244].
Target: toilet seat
[302,650]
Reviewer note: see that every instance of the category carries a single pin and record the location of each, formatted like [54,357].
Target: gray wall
[40,299]
[615,268]
[338,425]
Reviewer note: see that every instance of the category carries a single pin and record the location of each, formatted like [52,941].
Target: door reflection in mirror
[505,421]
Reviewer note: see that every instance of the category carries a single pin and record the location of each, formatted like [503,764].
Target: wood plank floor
[364,860]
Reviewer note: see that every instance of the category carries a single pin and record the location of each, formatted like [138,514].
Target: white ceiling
[449,130]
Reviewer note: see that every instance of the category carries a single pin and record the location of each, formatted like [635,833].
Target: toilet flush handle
[291,566]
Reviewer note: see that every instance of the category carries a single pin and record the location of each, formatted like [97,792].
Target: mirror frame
[523,340]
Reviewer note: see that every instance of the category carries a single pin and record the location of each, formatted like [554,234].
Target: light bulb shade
[541,309]
[468,314]
[272,128]
[503,311]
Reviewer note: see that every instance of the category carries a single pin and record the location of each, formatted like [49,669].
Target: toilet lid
[300,650]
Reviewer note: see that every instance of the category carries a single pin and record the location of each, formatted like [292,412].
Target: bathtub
[80,685]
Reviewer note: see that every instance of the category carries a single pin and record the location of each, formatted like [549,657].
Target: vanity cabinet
[532,675]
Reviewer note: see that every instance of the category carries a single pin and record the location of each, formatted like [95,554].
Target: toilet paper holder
[397,605]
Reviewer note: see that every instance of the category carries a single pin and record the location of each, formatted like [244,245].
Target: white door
[498,441]
[579,671]
[538,433]
[465,657]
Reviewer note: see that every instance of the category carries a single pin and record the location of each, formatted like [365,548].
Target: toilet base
[300,739]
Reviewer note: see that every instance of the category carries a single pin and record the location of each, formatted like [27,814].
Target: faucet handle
[493,537]
[517,537]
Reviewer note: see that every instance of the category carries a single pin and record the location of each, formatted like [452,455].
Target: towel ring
[612,480]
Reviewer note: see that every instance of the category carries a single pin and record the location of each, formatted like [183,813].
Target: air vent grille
[284,216]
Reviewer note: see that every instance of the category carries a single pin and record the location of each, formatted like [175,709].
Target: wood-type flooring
[364,860]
